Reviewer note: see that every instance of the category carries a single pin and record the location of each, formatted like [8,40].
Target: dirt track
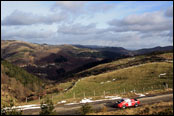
[97,106]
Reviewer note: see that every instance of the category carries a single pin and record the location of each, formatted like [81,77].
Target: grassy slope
[122,63]
[144,76]
[136,77]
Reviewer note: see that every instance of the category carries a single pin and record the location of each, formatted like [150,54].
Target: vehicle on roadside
[126,102]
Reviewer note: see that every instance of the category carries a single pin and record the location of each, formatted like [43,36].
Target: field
[143,79]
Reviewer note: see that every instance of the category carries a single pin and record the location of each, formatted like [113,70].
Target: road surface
[97,106]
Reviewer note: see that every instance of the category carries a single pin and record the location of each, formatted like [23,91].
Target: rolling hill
[75,69]
[121,76]
[54,62]
[45,61]
[61,62]
[18,84]
[153,50]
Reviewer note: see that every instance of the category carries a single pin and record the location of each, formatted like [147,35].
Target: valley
[86,57]
[32,72]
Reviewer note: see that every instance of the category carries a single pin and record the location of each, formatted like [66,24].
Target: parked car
[126,102]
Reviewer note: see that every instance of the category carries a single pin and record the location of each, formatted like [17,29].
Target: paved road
[97,106]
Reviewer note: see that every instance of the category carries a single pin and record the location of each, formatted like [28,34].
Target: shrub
[10,110]
[47,107]
[86,108]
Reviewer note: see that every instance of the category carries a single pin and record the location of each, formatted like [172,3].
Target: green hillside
[123,63]
[143,76]
[17,83]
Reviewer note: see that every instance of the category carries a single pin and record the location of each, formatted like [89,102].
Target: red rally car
[126,102]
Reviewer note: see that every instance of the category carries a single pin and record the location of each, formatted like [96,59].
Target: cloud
[134,31]
[66,11]
[170,36]
[26,34]
[81,7]
[85,23]
[170,33]
[129,40]
[169,12]
[22,18]
[72,9]
[154,28]
[101,6]
[147,22]
[79,29]
[71,6]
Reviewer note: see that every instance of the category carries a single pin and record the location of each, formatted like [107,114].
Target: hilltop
[61,62]
[45,61]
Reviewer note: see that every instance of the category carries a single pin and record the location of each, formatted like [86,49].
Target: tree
[47,107]
[10,110]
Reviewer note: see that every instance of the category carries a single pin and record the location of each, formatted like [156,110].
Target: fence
[120,91]
[101,94]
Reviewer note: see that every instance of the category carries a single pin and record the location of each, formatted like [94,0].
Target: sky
[128,24]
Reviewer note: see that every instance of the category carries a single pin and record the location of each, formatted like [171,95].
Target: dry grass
[167,55]
[157,108]
[130,78]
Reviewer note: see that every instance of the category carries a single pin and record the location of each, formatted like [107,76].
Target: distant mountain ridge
[56,62]
[126,51]
[155,49]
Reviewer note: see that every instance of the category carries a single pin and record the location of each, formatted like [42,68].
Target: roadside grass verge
[162,108]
